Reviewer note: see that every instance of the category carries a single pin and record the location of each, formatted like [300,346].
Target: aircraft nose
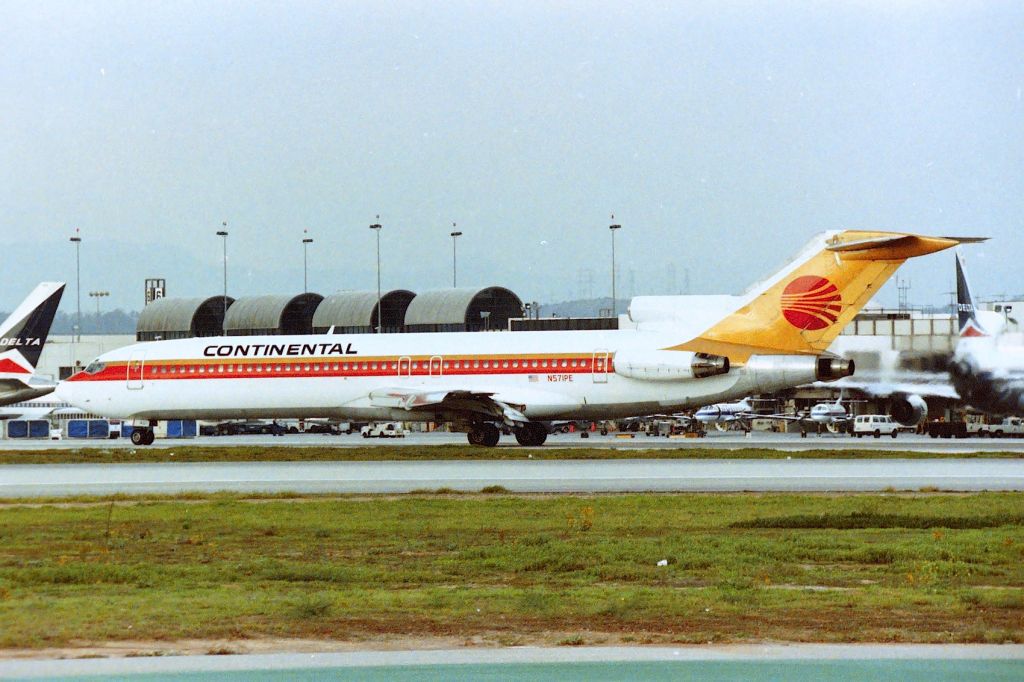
[65,392]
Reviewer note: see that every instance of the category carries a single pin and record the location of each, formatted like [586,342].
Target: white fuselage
[552,375]
[721,413]
[988,372]
[828,413]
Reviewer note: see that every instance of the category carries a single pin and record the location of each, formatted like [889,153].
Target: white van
[876,425]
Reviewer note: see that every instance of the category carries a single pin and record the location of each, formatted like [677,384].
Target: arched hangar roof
[467,309]
[356,311]
[182,318]
[272,314]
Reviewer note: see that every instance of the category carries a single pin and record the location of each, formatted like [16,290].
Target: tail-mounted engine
[776,372]
[831,368]
[669,365]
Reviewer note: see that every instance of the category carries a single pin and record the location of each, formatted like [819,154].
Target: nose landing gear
[143,436]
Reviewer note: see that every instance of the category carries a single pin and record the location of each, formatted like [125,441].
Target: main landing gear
[484,434]
[530,434]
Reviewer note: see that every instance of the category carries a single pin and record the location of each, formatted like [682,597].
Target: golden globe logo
[811,303]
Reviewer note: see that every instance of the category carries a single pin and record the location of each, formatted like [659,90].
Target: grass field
[255,453]
[846,568]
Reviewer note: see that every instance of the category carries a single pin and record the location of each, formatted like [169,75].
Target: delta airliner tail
[22,336]
[967,316]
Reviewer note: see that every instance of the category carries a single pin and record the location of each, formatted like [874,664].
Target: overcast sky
[721,135]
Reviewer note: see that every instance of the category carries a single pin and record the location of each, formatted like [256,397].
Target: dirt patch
[274,645]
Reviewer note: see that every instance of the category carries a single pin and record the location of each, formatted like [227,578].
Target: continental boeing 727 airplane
[773,337]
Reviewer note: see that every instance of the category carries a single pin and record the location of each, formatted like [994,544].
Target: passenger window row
[393,366]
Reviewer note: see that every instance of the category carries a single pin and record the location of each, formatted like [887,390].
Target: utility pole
[306,241]
[223,234]
[376,227]
[613,227]
[77,241]
[454,235]
[98,295]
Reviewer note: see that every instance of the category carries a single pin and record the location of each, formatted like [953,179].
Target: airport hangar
[883,343]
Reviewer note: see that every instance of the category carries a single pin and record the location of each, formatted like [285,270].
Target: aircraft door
[435,368]
[599,368]
[404,367]
[136,367]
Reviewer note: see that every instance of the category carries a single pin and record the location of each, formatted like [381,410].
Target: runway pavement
[715,440]
[526,476]
[843,662]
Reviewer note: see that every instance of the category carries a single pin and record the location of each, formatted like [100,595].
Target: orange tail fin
[804,307]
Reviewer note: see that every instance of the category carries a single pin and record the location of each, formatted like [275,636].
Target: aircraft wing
[479,402]
[782,417]
[883,389]
[17,390]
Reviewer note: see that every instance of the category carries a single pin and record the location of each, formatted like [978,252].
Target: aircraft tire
[486,435]
[150,437]
[138,437]
[491,435]
[532,434]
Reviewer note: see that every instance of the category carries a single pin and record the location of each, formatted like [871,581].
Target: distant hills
[111,322]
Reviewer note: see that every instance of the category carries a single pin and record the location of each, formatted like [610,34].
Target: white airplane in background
[22,336]
[36,408]
[723,415]
[832,415]
[775,336]
[725,412]
[987,368]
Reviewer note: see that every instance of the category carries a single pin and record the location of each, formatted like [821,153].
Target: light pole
[613,227]
[380,323]
[98,295]
[223,234]
[77,240]
[454,235]
[306,241]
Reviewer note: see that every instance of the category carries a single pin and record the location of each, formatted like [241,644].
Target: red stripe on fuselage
[170,370]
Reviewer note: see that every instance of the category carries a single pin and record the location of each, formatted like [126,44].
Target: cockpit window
[95,367]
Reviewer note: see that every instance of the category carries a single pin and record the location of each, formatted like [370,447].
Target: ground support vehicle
[876,425]
[939,429]
[1010,427]
[383,430]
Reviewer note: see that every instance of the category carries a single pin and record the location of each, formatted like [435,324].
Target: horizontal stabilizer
[895,246]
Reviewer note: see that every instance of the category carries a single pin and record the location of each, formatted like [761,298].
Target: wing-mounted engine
[909,409]
[668,365]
